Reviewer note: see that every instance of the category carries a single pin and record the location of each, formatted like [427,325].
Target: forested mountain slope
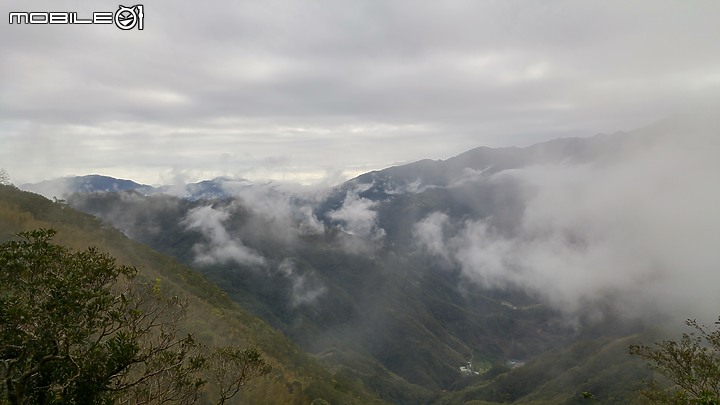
[296,378]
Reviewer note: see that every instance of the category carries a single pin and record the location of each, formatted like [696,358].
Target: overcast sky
[316,91]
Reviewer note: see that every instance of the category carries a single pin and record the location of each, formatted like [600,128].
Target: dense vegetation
[77,328]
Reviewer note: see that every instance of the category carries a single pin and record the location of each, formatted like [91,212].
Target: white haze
[358,217]
[285,213]
[221,247]
[274,212]
[641,233]
[305,289]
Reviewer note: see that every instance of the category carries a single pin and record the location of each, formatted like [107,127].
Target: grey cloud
[295,79]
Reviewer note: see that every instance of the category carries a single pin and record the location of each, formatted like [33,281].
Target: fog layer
[639,230]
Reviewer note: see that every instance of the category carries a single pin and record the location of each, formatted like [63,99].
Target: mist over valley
[492,258]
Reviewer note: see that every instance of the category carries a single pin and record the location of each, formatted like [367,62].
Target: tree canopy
[77,328]
[691,363]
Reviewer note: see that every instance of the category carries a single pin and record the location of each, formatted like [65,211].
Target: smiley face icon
[126,18]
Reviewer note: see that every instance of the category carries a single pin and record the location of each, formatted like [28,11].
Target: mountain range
[500,275]
[58,188]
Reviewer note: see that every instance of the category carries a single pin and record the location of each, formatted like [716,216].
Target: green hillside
[297,378]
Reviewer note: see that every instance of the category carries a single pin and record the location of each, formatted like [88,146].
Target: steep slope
[212,317]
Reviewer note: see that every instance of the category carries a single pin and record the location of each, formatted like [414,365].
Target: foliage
[232,367]
[692,364]
[77,328]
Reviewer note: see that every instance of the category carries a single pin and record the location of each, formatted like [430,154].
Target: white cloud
[305,288]
[430,234]
[286,213]
[221,247]
[640,232]
[358,217]
[309,223]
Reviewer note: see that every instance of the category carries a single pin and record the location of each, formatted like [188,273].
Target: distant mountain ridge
[85,184]
[493,160]
[419,174]
[60,188]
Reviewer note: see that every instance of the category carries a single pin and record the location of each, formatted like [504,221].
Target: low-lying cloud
[285,213]
[306,289]
[640,232]
[358,217]
[221,247]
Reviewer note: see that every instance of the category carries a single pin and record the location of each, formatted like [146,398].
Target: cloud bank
[639,233]
[318,92]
